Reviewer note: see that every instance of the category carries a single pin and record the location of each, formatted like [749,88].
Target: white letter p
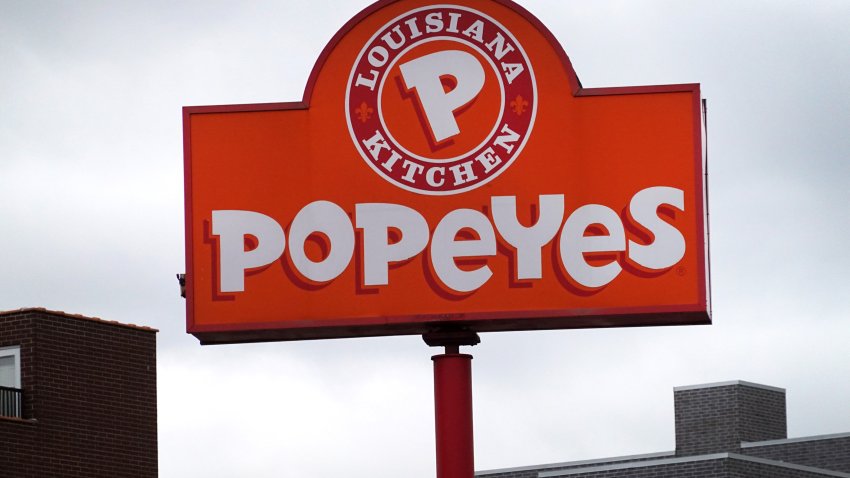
[234,260]
[423,74]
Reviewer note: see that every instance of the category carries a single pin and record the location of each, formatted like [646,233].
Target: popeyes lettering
[377,220]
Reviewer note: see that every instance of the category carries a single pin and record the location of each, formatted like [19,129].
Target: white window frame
[15,353]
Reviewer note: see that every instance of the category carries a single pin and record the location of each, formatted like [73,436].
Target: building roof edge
[785,441]
[57,313]
[691,459]
[613,459]
[727,384]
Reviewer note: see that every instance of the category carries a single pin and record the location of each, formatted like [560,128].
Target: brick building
[723,430]
[77,397]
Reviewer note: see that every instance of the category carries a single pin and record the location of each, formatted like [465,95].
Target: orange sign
[445,168]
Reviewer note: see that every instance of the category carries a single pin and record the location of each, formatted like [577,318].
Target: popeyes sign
[445,168]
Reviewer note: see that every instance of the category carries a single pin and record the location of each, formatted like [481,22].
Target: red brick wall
[89,398]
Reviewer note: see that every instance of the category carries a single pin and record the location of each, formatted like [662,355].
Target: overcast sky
[91,222]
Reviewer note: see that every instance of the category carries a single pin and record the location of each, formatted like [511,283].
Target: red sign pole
[453,413]
[453,404]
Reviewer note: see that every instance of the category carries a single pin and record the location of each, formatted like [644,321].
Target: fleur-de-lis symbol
[518,105]
[364,112]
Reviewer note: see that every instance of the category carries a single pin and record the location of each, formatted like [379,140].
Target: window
[10,367]
[10,382]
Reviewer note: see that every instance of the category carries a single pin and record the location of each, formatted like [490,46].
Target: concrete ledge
[691,459]
[21,421]
[785,441]
[727,384]
[615,459]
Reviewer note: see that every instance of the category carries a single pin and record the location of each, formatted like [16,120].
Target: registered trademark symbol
[681,270]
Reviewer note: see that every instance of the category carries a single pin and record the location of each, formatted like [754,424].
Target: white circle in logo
[441,100]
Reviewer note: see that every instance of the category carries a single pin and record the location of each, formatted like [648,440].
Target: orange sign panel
[445,168]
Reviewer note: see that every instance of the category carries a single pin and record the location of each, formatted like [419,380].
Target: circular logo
[441,100]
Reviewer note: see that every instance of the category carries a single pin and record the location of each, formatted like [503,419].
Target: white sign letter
[668,247]
[574,244]
[528,241]
[423,74]
[444,249]
[329,219]
[375,220]
[231,227]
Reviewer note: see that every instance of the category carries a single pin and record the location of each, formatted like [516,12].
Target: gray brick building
[723,430]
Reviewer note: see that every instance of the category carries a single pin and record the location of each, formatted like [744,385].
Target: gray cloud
[91,222]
